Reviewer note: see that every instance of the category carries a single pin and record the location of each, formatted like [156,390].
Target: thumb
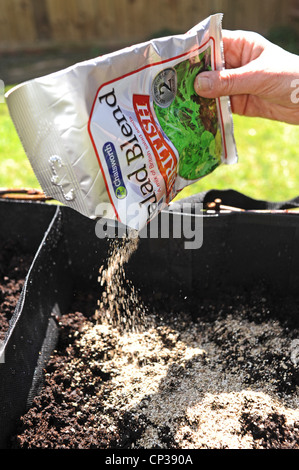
[225,83]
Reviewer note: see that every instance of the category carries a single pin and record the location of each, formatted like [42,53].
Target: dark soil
[13,269]
[223,376]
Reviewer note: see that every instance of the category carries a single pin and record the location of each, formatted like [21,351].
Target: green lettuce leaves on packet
[121,135]
[191,122]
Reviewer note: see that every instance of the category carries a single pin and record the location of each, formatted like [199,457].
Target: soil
[220,374]
[13,269]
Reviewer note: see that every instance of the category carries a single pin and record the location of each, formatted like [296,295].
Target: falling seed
[120,303]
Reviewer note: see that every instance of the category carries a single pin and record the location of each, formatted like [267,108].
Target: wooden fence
[43,23]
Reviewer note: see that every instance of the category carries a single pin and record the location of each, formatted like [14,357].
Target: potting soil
[222,374]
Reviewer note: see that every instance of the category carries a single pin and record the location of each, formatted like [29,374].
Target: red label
[164,155]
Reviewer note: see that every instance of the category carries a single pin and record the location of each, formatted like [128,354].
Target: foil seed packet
[119,136]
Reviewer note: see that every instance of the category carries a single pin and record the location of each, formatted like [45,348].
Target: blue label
[114,170]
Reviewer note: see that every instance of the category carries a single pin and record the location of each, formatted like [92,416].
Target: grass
[268,165]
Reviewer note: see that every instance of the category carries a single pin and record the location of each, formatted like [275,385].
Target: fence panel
[37,23]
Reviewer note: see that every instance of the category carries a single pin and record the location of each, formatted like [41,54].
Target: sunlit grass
[268,166]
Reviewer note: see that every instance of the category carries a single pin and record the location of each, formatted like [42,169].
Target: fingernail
[203,84]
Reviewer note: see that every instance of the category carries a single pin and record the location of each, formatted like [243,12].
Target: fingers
[243,73]
[225,83]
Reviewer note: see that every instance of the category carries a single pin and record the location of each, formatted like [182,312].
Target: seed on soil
[166,378]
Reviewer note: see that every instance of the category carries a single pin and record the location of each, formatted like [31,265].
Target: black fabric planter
[238,249]
[26,225]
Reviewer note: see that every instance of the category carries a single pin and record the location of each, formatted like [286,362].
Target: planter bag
[47,293]
[24,223]
[239,249]
[237,200]
[25,227]
[119,136]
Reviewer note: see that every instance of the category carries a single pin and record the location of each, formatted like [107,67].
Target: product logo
[121,192]
[117,181]
[164,87]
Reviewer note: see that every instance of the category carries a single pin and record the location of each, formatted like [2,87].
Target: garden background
[42,36]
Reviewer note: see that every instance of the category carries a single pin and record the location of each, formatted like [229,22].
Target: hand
[259,77]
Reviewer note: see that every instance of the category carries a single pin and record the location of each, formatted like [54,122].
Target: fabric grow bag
[27,224]
[47,293]
[239,248]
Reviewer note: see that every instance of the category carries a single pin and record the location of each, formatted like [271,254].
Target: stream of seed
[120,305]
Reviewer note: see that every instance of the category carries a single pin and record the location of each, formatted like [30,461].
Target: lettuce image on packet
[119,136]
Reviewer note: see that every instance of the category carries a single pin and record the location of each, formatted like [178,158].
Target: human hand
[259,77]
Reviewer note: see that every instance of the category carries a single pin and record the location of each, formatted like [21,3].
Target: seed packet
[121,135]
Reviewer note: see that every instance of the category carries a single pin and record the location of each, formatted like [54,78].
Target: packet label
[128,128]
[164,135]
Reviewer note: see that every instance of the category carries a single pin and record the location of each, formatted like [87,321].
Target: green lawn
[268,165]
